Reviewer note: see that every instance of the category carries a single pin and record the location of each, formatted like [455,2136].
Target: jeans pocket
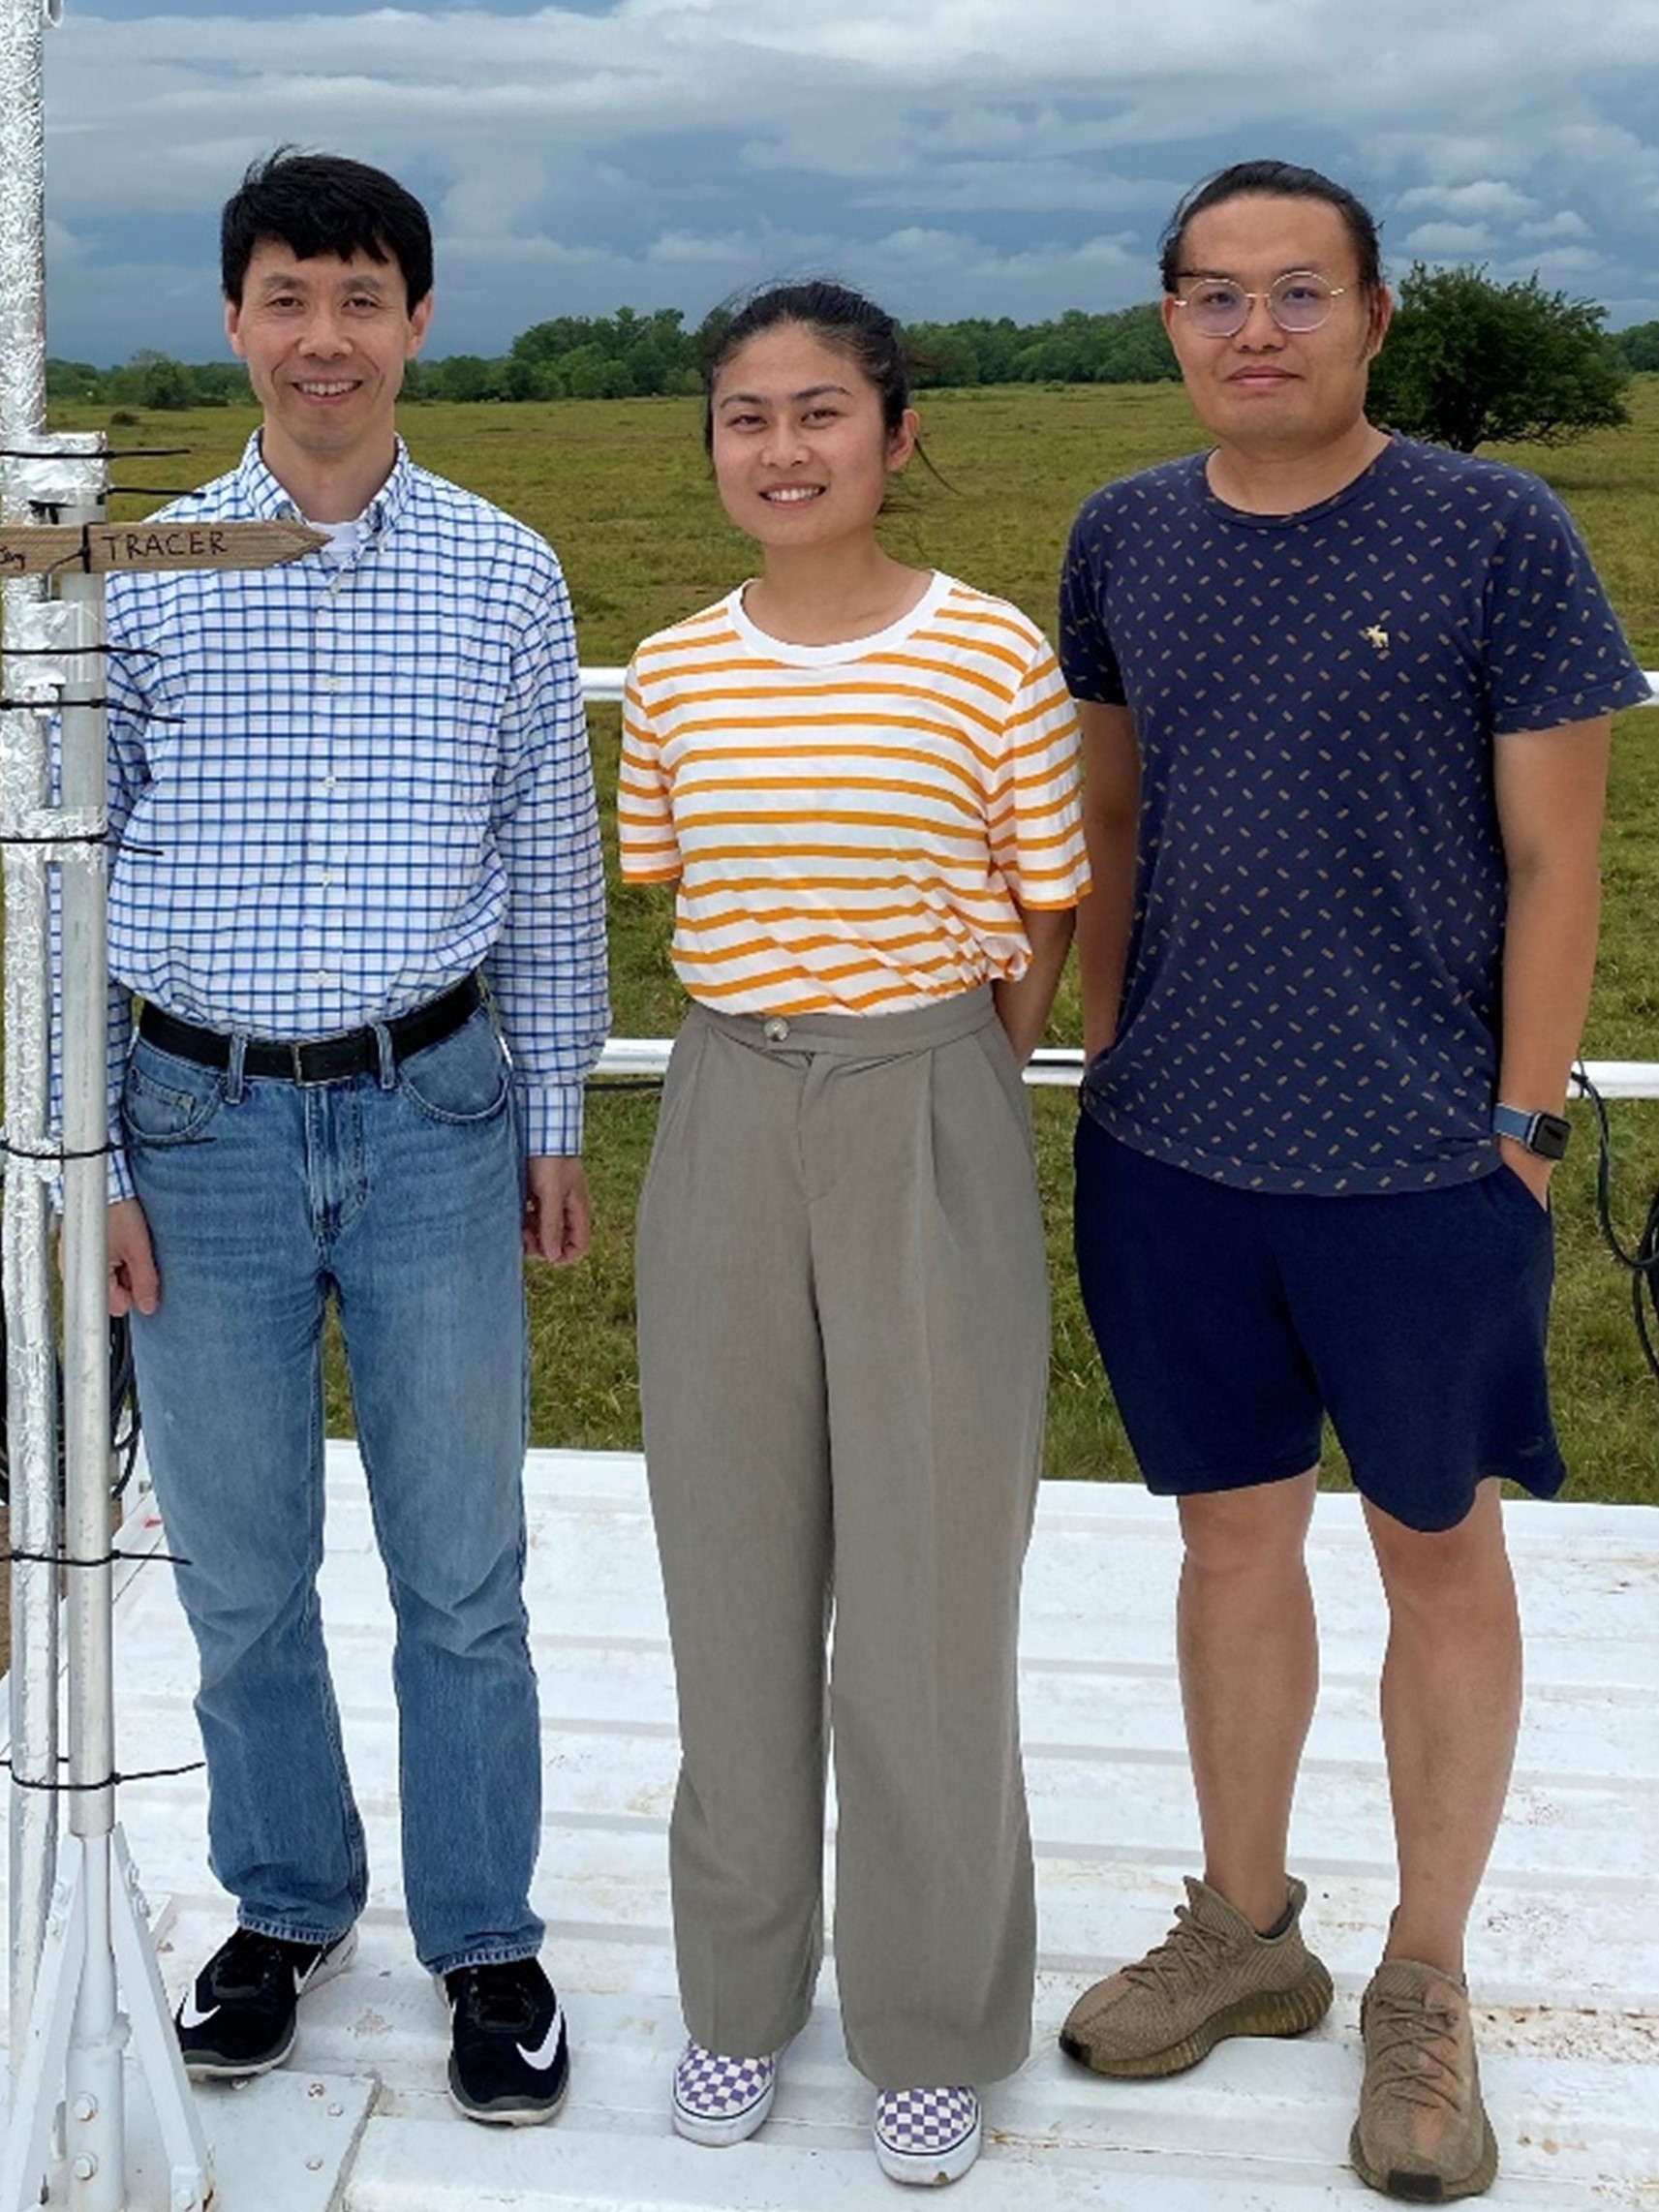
[168,1101]
[463,1079]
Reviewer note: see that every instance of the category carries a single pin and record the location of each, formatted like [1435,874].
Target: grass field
[622,489]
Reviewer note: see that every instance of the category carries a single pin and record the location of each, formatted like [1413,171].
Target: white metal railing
[1059,1066]
[603,687]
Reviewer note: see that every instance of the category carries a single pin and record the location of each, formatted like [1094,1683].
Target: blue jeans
[400,1194]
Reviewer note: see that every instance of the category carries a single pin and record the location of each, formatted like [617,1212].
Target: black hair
[1278,180]
[323,203]
[832,312]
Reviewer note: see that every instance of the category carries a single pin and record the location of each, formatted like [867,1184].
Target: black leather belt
[315,1060]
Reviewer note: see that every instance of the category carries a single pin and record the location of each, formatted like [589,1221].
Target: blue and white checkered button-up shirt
[335,789]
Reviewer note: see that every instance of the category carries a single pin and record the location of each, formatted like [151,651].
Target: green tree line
[628,355]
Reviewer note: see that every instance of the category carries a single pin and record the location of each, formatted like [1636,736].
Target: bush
[1469,362]
[1640,345]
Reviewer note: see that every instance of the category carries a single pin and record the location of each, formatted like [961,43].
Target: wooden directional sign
[41,549]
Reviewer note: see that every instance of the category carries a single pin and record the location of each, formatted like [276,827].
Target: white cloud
[1485,196]
[1029,187]
[1569,268]
[1565,224]
[670,137]
[1450,242]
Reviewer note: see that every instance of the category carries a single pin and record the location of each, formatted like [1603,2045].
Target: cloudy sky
[980,157]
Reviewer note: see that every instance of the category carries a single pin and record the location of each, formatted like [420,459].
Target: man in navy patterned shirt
[357,863]
[1345,703]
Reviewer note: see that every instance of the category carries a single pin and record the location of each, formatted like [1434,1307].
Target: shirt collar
[268,502]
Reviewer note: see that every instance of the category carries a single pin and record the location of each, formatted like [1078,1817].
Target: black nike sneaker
[509,2060]
[238,2016]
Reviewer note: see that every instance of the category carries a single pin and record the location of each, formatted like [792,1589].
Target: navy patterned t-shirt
[1311,998]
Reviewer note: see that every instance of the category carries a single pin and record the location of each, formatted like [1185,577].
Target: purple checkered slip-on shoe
[925,2136]
[719,2100]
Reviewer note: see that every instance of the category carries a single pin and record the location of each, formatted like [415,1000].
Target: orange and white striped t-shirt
[852,827]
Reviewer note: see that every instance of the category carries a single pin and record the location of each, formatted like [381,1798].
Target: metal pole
[95,2131]
[29,1369]
[68,2077]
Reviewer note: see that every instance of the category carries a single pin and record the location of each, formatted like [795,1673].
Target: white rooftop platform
[1565,1952]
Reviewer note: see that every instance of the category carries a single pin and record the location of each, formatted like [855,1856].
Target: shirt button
[327,878]
[330,683]
[323,976]
[329,781]
[776,1029]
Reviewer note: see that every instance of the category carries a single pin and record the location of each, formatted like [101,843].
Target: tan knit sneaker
[1423,2133]
[1213,1976]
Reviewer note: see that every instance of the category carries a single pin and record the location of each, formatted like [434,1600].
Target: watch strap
[1544,1134]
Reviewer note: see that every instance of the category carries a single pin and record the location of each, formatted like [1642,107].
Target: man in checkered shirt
[357,886]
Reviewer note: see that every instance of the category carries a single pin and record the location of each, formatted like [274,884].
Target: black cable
[110,1558]
[59,837]
[88,837]
[54,1153]
[109,1782]
[109,454]
[124,1423]
[54,706]
[1642,1262]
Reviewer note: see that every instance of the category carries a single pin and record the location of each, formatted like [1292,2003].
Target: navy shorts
[1230,1321]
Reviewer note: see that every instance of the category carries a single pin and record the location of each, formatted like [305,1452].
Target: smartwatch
[1544,1134]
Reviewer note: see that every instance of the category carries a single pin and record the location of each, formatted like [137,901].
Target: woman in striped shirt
[862,780]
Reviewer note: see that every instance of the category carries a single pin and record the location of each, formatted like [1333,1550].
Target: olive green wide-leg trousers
[843,1341]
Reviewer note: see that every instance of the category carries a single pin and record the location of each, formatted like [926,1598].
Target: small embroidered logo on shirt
[1376,635]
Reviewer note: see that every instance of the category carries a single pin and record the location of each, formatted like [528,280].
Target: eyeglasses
[1218,308]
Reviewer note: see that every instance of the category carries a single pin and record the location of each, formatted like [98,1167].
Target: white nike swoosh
[547,2049]
[190,2017]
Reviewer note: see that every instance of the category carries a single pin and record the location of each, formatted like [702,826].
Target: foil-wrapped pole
[32,1445]
[23,223]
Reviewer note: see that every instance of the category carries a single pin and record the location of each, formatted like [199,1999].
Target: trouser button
[776,1029]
